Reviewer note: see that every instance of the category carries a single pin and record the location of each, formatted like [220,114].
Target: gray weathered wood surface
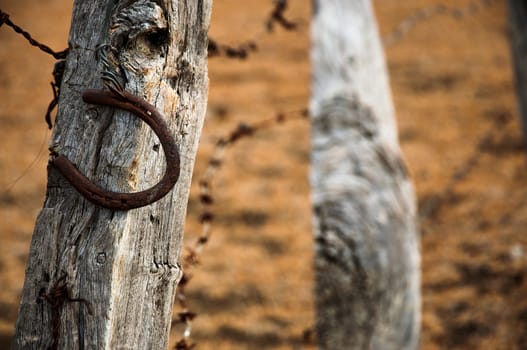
[366,241]
[125,264]
[517,10]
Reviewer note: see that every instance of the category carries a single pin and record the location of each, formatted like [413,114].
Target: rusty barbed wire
[431,207]
[242,51]
[194,252]
[277,16]
[57,70]
[467,167]
[242,130]
[56,297]
[4,18]
[423,14]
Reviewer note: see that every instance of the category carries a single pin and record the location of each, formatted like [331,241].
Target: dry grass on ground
[451,82]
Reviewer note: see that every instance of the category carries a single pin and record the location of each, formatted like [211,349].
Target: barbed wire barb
[277,18]
[242,51]
[194,252]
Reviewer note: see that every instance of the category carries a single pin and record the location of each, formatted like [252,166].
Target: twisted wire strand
[109,75]
[4,18]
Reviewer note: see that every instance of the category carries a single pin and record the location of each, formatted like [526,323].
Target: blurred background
[451,76]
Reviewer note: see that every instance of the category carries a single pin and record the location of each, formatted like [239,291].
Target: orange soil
[451,83]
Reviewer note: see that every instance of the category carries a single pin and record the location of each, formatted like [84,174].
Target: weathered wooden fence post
[517,10]
[121,265]
[367,251]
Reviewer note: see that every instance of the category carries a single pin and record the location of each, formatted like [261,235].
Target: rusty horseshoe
[116,200]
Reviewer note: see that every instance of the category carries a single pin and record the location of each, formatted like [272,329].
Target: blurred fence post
[517,10]
[99,278]
[367,248]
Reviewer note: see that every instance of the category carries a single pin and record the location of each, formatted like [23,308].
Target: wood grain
[366,245]
[126,264]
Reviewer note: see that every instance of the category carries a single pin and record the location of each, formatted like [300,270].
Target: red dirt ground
[452,87]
